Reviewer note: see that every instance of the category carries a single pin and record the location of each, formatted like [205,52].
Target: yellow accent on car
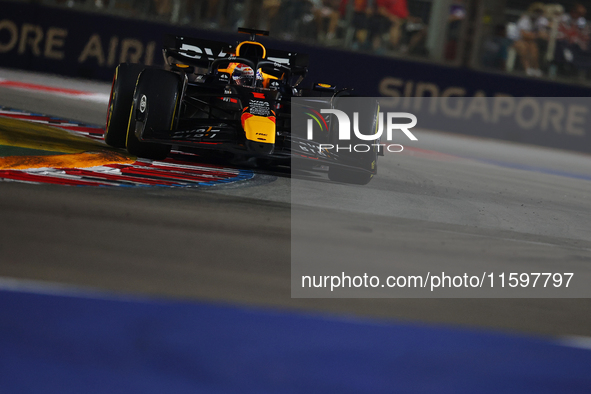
[259,129]
[130,115]
[251,43]
[267,76]
[110,109]
[176,104]
[229,69]
[129,123]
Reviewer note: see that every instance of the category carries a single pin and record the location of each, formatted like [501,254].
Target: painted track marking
[92,163]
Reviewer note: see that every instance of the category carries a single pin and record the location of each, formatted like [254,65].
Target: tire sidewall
[162,90]
[120,102]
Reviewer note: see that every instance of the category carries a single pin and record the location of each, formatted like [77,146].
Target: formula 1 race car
[236,99]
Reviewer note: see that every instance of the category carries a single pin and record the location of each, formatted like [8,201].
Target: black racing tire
[356,168]
[162,91]
[120,102]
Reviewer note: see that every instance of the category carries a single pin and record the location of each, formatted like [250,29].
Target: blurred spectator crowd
[380,26]
[543,40]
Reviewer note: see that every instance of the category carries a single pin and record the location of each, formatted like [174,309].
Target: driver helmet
[243,75]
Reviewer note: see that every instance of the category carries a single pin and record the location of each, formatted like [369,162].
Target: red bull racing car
[228,98]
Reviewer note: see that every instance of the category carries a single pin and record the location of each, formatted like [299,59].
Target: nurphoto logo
[345,134]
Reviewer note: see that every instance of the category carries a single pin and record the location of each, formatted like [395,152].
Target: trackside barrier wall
[89,45]
[77,344]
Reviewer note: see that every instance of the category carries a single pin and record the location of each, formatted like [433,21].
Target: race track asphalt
[463,200]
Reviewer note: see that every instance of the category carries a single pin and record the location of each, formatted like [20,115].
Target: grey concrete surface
[75,108]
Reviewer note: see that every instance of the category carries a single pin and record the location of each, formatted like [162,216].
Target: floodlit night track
[466,200]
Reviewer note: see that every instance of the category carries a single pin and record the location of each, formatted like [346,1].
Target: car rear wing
[195,51]
[201,53]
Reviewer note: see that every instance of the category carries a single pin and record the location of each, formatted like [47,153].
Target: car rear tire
[356,168]
[120,101]
[156,101]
